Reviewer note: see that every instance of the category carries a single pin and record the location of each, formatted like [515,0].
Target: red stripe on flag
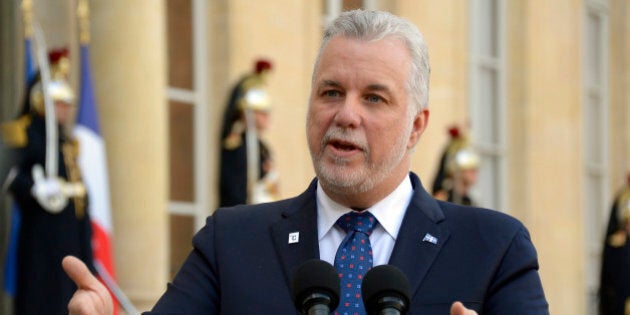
[102,251]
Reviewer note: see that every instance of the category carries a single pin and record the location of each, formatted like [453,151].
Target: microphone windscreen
[384,281]
[315,276]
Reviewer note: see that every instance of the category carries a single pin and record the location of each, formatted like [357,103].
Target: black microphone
[385,291]
[315,288]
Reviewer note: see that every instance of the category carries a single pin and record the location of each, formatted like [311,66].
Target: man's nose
[349,112]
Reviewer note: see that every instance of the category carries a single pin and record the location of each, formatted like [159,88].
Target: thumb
[458,309]
[79,273]
[92,297]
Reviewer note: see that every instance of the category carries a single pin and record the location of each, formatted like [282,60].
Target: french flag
[93,164]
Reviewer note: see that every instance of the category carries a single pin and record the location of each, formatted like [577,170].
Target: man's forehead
[343,51]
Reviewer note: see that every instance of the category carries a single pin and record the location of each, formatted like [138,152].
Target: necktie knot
[363,222]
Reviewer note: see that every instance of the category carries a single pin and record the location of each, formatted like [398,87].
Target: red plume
[454,132]
[262,65]
[56,54]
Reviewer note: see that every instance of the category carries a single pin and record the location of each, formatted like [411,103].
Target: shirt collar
[389,211]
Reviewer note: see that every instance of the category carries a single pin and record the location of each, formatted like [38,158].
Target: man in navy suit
[367,111]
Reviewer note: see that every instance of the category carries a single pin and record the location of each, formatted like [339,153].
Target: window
[487,99]
[595,141]
[188,114]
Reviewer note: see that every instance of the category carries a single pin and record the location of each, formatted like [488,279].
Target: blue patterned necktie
[353,260]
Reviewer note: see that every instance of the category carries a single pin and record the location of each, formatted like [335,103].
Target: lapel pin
[294,237]
[430,238]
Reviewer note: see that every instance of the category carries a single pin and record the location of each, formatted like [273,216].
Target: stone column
[129,66]
[551,110]
[10,60]
[8,99]
[619,99]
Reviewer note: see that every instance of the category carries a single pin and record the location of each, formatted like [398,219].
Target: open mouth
[343,145]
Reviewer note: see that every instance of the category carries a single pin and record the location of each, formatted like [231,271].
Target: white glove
[48,191]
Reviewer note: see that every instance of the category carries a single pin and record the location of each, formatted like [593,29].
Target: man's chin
[342,181]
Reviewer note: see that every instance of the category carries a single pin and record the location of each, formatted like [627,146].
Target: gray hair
[375,25]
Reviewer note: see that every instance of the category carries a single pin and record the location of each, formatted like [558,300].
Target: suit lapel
[420,238]
[300,217]
[413,254]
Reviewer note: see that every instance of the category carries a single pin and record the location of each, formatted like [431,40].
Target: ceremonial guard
[457,171]
[614,291]
[46,184]
[247,169]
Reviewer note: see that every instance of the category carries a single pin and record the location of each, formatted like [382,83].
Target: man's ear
[420,122]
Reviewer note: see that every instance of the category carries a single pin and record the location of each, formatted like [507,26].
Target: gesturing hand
[91,297]
[458,309]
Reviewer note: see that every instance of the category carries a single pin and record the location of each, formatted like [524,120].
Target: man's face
[469,176]
[63,112]
[358,124]
[262,120]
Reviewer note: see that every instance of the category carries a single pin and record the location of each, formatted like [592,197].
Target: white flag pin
[430,238]
[294,237]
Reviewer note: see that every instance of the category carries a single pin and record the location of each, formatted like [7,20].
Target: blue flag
[30,68]
[87,115]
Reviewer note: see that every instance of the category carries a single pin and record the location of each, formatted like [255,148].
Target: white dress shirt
[389,212]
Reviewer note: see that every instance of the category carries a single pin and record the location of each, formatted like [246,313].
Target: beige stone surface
[552,119]
[129,70]
[619,92]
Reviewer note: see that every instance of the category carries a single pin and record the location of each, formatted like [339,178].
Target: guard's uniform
[614,292]
[54,220]
[233,184]
[465,199]
[249,94]
[45,238]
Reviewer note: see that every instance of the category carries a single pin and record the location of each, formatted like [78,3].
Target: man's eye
[332,93]
[373,98]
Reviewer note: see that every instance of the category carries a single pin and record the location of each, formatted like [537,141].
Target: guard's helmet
[58,88]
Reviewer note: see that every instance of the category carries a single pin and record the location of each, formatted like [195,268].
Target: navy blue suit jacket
[242,260]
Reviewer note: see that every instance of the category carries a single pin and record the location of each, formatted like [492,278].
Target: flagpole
[115,289]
